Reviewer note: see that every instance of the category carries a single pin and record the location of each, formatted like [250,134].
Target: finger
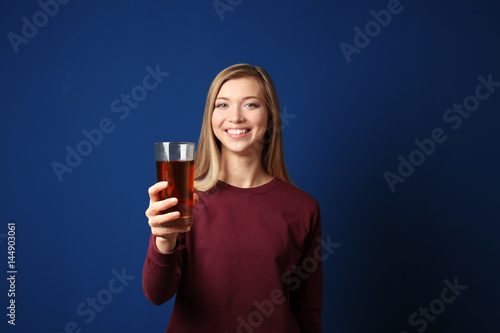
[178,229]
[159,220]
[156,208]
[196,198]
[154,191]
[166,232]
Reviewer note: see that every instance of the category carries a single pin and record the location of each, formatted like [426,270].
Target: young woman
[252,260]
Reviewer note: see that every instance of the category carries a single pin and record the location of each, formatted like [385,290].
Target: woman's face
[239,119]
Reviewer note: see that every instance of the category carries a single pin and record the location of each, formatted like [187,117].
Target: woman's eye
[252,105]
[221,105]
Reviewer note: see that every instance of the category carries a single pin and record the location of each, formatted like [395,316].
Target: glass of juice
[175,164]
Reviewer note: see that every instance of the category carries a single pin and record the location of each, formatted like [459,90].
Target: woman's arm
[161,274]
[306,297]
[162,268]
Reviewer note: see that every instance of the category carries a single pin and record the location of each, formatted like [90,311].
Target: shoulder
[297,196]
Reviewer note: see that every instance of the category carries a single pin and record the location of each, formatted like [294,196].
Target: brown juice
[180,177]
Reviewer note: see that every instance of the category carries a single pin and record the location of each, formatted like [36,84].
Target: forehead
[240,87]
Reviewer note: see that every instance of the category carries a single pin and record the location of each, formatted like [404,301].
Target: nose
[236,115]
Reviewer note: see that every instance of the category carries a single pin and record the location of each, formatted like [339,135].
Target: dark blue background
[347,124]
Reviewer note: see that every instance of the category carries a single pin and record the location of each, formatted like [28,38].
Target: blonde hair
[207,159]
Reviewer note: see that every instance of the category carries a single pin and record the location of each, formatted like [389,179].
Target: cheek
[214,121]
[261,120]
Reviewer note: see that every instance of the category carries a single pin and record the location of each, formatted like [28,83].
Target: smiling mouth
[237,131]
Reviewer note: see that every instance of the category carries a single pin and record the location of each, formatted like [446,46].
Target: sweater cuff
[164,259]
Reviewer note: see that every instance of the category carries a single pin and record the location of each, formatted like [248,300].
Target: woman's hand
[166,238]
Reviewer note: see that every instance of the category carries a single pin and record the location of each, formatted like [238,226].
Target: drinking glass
[175,164]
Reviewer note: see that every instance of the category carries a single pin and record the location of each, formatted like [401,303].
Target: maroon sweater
[251,263]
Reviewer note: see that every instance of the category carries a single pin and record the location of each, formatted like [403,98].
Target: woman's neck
[244,171]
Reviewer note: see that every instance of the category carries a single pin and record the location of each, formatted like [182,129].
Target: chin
[244,150]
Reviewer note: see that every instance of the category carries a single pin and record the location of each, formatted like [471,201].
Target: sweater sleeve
[306,296]
[161,274]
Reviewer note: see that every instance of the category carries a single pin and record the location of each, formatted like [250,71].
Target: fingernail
[173,200]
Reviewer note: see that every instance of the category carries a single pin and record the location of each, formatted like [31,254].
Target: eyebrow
[244,98]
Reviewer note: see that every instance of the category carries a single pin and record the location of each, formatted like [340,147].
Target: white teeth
[236,131]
